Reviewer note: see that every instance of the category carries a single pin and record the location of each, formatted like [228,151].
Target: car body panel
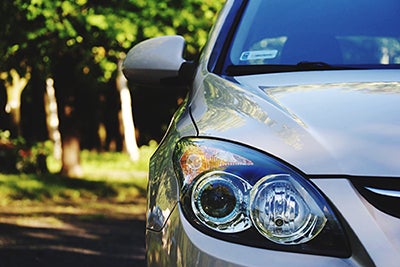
[333,127]
[177,243]
[345,123]
[180,244]
[378,232]
[163,187]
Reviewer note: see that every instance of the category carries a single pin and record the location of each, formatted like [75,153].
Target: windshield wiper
[236,70]
[313,65]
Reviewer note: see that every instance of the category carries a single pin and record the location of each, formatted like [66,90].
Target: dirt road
[70,239]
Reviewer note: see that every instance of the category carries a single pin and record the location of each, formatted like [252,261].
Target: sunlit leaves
[45,29]
[81,2]
[74,41]
[12,49]
[99,21]
[68,8]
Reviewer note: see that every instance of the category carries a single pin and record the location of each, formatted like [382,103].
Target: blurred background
[75,138]
[61,91]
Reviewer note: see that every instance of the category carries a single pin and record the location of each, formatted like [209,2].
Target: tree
[79,43]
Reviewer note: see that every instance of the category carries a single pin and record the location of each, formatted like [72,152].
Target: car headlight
[219,200]
[242,195]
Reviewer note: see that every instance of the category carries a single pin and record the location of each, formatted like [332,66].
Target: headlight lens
[242,195]
[219,200]
[283,212]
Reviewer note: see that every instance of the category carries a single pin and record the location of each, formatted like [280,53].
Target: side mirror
[155,62]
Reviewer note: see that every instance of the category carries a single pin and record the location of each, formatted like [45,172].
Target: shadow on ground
[72,240]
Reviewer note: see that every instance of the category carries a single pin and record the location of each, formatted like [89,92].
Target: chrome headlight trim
[252,180]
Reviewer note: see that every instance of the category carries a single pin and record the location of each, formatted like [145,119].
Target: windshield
[323,33]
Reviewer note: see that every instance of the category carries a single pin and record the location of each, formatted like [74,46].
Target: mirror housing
[155,62]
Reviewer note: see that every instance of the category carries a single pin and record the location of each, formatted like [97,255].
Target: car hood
[321,122]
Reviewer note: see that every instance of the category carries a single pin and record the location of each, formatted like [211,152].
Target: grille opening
[382,193]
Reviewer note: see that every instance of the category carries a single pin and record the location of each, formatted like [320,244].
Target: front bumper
[374,237]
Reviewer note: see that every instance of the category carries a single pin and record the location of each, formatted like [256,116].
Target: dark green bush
[16,156]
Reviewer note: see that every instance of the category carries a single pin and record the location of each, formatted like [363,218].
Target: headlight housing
[245,196]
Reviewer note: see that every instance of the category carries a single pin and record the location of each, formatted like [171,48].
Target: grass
[111,184]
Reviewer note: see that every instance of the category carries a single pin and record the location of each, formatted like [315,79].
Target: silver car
[286,151]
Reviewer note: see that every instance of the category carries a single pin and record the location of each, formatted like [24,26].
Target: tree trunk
[14,91]
[70,136]
[70,142]
[67,88]
[4,116]
[52,120]
[71,165]
[127,118]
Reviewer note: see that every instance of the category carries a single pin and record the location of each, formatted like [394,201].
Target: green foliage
[79,44]
[17,156]
[36,33]
[107,176]
[116,165]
